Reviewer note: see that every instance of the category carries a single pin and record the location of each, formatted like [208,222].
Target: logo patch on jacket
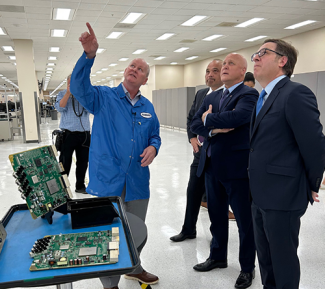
[146,114]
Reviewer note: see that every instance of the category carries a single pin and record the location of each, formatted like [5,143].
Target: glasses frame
[262,52]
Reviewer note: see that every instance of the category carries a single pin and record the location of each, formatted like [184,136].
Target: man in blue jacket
[125,138]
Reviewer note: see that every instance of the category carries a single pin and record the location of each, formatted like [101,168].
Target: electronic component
[38,175]
[74,250]
[3,235]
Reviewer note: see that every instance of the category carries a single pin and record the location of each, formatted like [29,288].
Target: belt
[75,132]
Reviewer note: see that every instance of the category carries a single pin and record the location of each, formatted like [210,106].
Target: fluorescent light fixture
[181,49]
[255,38]
[121,72]
[123,59]
[54,49]
[307,22]
[139,51]
[160,58]
[165,36]
[93,75]
[173,63]
[98,80]
[63,14]
[104,69]
[218,49]
[4,77]
[1,74]
[112,64]
[191,57]
[100,50]
[52,58]
[103,79]
[49,71]
[58,33]
[7,48]
[194,20]
[48,75]
[14,63]
[12,57]
[133,18]
[115,35]
[99,72]
[2,31]
[108,77]
[249,22]
[49,68]
[51,64]
[114,75]
[212,37]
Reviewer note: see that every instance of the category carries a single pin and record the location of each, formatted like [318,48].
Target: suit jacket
[198,100]
[287,156]
[229,151]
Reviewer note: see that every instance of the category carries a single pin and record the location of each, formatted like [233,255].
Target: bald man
[125,138]
[224,120]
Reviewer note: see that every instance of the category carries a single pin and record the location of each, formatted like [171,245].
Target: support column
[27,83]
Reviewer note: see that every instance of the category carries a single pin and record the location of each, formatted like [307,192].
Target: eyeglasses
[262,52]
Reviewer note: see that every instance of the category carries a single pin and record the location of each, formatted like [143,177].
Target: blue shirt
[120,133]
[69,120]
[268,89]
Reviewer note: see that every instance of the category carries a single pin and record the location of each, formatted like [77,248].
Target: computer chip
[52,186]
[38,163]
[90,251]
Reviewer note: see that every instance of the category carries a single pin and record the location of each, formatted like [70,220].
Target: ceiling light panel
[139,51]
[181,49]
[304,23]
[173,63]
[113,64]
[100,50]
[160,58]
[132,18]
[255,38]
[54,49]
[50,64]
[52,58]
[212,37]
[194,20]
[59,32]
[165,36]
[12,57]
[191,57]
[115,35]
[218,49]
[2,31]
[62,14]
[249,22]
[123,59]
[7,48]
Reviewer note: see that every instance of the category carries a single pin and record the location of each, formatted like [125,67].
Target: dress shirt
[69,120]
[268,89]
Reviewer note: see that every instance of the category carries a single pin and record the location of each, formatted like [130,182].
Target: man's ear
[145,81]
[283,61]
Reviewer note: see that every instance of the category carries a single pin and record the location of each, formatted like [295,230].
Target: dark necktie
[260,101]
[223,97]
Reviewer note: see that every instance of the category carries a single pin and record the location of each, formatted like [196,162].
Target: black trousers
[277,238]
[195,191]
[220,194]
[78,142]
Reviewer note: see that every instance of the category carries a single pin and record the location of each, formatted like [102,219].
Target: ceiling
[35,22]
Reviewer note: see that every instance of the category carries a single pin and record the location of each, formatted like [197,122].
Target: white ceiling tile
[148,3]
[38,10]
[46,16]
[116,8]
[92,13]
[67,4]
[37,3]
[124,2]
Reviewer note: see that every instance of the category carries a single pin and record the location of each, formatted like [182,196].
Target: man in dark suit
[224,120]
[196,186]
[286,162]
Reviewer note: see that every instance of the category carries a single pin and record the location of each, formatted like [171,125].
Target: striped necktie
[223,97]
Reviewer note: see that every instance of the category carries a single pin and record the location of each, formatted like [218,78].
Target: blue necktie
[223,97]
[260,101]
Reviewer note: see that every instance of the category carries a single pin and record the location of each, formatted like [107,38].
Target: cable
[79,116]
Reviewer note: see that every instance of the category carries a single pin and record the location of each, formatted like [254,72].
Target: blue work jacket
[120,133]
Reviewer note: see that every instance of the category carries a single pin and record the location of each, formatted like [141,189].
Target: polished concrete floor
[173,262]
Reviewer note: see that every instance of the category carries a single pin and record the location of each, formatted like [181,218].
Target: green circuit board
[39,177]
[75,250]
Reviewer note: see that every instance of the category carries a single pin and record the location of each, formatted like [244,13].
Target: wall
[146,90]
[169,76]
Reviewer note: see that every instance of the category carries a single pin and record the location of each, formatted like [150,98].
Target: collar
[272,84]
[210,90]
[128,94]
[231,89]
